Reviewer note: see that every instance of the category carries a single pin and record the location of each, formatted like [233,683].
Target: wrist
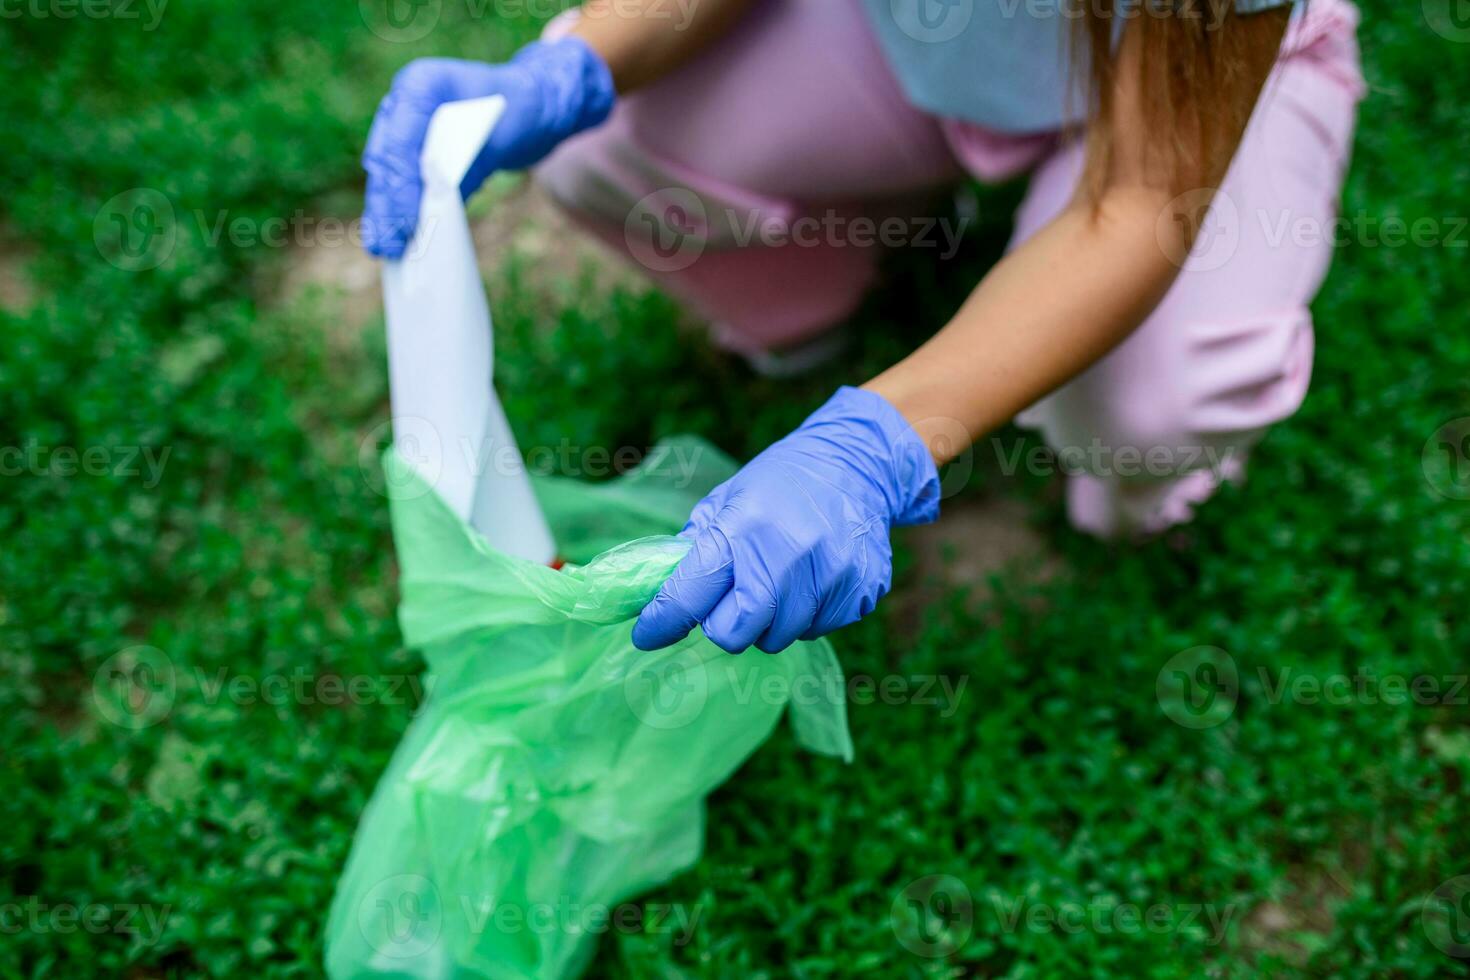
[575,80]
[888,449]
[928,412]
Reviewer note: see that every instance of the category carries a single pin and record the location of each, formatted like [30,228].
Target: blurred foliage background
[258,548]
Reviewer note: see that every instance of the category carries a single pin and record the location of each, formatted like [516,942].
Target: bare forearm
[1043,314]
[643,40]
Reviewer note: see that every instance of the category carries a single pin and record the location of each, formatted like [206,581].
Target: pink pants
[796,115]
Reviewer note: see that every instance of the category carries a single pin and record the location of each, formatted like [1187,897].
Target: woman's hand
[796,545]
[552,90]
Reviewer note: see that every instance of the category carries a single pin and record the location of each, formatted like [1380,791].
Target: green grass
[1058,783]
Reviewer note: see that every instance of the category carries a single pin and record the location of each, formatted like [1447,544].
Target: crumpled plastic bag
[554,766]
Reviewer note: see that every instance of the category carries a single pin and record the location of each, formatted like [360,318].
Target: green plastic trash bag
[555,770]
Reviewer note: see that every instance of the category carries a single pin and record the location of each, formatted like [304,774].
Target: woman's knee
[1151,431]
[727,251]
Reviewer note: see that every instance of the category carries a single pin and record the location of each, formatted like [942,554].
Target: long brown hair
[1201,68]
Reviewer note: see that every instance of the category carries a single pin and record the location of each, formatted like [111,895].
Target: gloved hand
[796,545]
[552,89]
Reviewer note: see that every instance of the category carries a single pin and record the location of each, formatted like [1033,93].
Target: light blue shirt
[1003,64]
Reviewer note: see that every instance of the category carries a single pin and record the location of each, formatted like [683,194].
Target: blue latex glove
[552,89]
[796,545]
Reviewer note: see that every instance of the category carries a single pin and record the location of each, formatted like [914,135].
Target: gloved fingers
[517,140]
[396,140]
[704,513]
[391,159]
[430,82]
[794,617]
[839,612]
[390,214]
[864,580]
[699,582]
[741,617]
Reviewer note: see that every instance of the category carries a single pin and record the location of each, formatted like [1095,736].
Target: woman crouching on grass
[1122,317]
